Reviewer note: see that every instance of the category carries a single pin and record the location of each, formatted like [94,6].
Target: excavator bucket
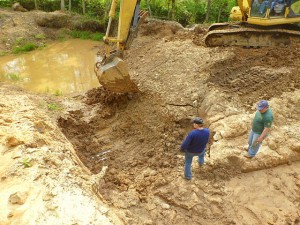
[114,76]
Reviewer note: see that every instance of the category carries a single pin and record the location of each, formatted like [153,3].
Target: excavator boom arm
[111,70]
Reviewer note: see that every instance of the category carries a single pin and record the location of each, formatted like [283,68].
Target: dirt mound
[60,19]
[160,28]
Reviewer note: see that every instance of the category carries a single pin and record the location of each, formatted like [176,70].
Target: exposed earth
[111,158]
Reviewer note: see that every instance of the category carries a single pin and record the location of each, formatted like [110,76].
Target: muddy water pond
[60,68]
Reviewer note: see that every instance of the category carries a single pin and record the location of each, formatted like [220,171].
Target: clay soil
[112,158]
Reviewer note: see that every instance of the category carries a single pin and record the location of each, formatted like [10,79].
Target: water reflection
[65,67]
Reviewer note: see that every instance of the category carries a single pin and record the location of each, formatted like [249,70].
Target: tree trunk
[173,9]
[207,10]
[219,14]
[169,9]
[70,5]
[148,7]
[36,5]
[83,7]
[62,5]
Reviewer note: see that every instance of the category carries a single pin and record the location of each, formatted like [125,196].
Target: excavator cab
[261,23]
[274,12]
[268,8]
[111,71]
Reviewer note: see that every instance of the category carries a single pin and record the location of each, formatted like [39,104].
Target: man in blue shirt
[194,145]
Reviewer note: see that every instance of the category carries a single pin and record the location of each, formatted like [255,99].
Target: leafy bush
[190,12]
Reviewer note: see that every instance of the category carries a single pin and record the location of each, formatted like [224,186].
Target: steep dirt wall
[42,179]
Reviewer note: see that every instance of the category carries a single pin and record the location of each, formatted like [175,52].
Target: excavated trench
[139,143]
[102,133]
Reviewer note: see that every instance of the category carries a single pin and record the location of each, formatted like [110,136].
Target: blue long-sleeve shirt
[196,141]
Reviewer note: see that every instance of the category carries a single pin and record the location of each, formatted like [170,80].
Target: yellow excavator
[262,23]
[111,71]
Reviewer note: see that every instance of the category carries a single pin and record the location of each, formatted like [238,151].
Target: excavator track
[250,37]
[223,26]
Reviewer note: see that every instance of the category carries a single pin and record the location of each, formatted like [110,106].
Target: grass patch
[86,35]
[13,77]
[3,53]
[24,48]
[58,93]
[40,36]
[54,107]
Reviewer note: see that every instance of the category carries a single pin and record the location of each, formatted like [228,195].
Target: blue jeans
[253,146]
[188,159]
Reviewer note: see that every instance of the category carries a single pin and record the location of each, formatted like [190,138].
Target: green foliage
[24,48]
[220,10]
[86,35]
[44,5]
[97,8]
[40,36]
[47,89]
[186,12]
[5,4]
[13,77]
[231,4]
[62,36]
[190,12]
[158,8]
[58,93]
[54,107]
[3,53]
[26,162]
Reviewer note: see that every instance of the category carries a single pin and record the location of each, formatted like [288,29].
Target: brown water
[60,68]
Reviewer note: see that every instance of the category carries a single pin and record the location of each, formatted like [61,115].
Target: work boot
[245,148]
[187,178]
[247,155]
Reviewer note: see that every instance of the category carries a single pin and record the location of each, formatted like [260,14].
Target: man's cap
[262,104]
[197,120]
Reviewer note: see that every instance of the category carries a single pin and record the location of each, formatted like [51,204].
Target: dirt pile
[130,142]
